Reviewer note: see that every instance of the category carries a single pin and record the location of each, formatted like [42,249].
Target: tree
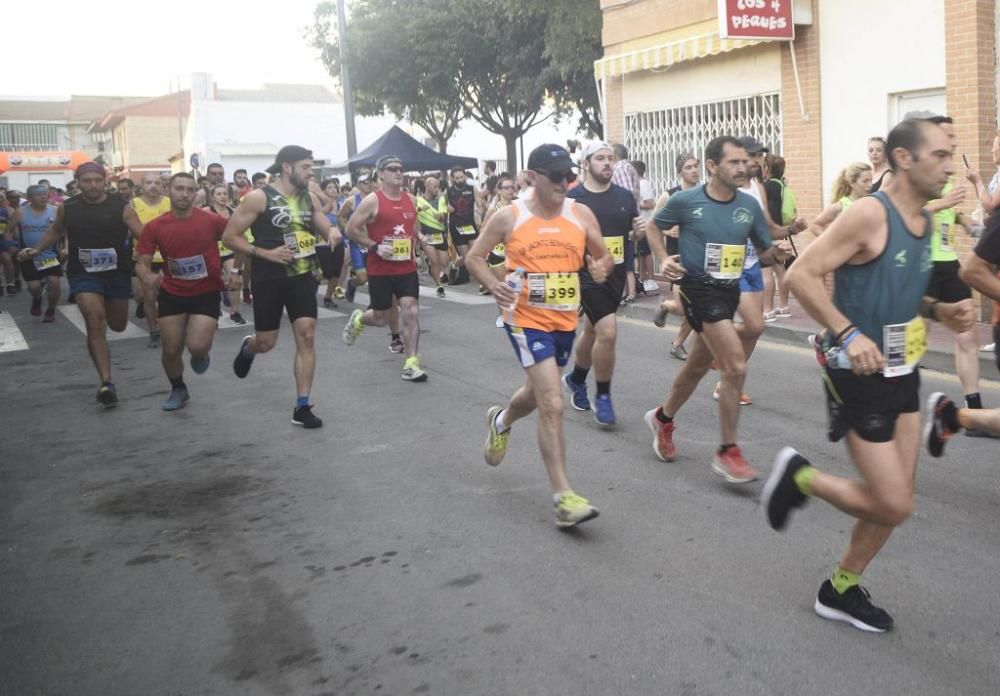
[392,70]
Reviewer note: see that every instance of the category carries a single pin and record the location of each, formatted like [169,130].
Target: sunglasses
[569,176]
[394,169]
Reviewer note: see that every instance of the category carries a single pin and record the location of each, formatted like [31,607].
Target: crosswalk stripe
[75,317]
[11,337]
[450,296]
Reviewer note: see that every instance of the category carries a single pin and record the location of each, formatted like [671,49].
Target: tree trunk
[442,144]
[511,141]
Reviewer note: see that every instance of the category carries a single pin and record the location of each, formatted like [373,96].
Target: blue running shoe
[604,412]
[200,365]
[178,397]
[578,393]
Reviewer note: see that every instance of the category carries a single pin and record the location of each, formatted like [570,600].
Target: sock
[395,336]
[579,375]
[177,382]
[499,423]
[663,417]
[604,388]
[247,353]
[723,448]
[804,478]
[843,580]
[973,400]
[109,383]
[302,401]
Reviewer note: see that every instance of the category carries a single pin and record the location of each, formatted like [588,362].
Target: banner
[756,19]
[41,161]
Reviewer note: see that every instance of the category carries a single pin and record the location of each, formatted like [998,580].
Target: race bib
[400,248]
[467,230]
[751,256]
[436,238]
[946,237]
[616,247]
[98,260]
[302,244]
[556,291]
[190,268]
[724,261]
[46,263]
[903,346]
[500,250]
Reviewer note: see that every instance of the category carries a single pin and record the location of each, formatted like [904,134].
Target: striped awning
[665,55]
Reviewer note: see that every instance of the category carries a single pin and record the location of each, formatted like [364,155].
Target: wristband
[842,333]
[850,337]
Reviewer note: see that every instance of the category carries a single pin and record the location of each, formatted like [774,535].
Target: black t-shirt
[614,210]
[463,200]
[988,248]
[98,236]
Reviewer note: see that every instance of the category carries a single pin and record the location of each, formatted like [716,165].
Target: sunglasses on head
[569,176]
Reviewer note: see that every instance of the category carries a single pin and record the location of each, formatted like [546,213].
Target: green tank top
[944,230]
[845,203]
[888,289]
[287,221]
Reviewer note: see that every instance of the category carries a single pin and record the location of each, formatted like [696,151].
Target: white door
[903,103]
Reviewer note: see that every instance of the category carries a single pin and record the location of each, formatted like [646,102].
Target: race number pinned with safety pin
[724,261]
[98,260]
[556,291]
[904,345]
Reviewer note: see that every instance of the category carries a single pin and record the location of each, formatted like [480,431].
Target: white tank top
[751,258]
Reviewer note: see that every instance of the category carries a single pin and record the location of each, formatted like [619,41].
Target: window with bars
[28,137]
[659,137]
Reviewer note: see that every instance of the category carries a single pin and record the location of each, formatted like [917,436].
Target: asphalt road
[220,550]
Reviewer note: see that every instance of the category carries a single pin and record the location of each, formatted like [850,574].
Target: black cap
[752,145]
[289,153]
[550,158]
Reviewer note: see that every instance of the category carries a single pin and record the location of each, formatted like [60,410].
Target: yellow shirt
[147,212]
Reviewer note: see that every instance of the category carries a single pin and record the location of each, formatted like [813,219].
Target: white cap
[593,146]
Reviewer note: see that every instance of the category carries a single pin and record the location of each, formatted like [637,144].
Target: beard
[297,182]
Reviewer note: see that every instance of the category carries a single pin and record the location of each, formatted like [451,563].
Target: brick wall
[614,125]
[624,22]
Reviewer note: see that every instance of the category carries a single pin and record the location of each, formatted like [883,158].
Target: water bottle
[515,281]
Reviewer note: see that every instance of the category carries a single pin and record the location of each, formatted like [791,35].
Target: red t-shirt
[190,248]
[393,225]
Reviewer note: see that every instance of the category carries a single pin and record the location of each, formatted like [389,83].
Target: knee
[550,404]
[307,338]
[733,370]
[410,311]
[753,326]
[896,509]
[607,331]
[264,344]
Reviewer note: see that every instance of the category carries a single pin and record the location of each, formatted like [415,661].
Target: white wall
[860,68]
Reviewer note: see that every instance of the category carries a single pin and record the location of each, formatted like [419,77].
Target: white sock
[500,425]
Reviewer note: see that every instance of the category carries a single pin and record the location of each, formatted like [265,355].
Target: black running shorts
[381,289]
[324,254]
[272,296]
[30,272]
[708,303]
[868,404]
[599,302]
[945,285]
[168,305]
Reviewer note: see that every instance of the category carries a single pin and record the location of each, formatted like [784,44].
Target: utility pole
[345,81]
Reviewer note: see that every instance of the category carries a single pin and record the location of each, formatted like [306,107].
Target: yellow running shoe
[573,509]
[496,442]
[338,292]
[353,327]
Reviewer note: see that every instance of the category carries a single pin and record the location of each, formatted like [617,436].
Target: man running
[27,225]
[878,251]
[617,216]
[546,240]
[97,225]
[358,273]
[386,225]
[432,211]
[149,206]
[188,298]
[285,219]
[462,201]
[716,221]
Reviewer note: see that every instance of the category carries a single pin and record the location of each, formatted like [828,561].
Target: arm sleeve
[670,214]
[147,242]
[760,233]
[988,248]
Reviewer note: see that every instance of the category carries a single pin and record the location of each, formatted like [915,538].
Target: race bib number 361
[556,291]
[400,248]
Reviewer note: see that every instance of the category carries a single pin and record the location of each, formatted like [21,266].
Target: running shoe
[578,393]
[988,348]
[483,291]
[650,285]
[154,339]
[942,414]
[660,320]
[50,316]
[496,441]
[140,310]
[242,363]
[200,365]
[13,289]
[499,322]
[678,352]
[854,607]
[351,290]
[663,436]
[440,291]
[303,415]
[237,318]
[782,312]
[731,466]
[353,328]
[781,493]
[604,412]
[770,317]
[329,303]
[627,300]
[396,345]
[412,371]
[36,306]
[338,292]
[573,509]
[178,397]
[107,395]
[745,400]
[817,345]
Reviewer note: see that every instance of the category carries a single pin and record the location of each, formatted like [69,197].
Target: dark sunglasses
[569,176]
[394,169]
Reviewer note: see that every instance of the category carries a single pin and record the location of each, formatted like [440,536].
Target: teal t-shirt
[713,234]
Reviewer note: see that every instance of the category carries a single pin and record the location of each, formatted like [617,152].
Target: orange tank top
[551,254]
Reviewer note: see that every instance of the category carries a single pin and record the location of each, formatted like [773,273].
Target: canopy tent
[415,156]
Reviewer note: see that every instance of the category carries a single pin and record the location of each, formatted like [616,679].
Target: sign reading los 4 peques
[756,19]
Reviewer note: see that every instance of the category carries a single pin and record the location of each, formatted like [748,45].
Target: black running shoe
[237,318]
[781,494]
[107,395]
[140,310]
[242,364]
[303,415]
[941,412]
[854,607]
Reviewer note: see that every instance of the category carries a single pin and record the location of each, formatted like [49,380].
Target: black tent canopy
[416,157]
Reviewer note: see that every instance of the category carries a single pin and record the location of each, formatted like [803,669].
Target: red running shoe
[663,436]
[731,466]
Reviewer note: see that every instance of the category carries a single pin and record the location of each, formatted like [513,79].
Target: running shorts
[752,279]
[599,302]
[113,286]
[459,239]
[945,285]
[708,304]
[324,254]
[532,346]
[358,257]
[868,404]
[272,296]
[169,305]
[32,274]
[381,289]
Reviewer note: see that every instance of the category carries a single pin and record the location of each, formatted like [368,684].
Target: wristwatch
[373,249]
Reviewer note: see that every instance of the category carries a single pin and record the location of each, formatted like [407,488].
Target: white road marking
[11,337]
[75,317]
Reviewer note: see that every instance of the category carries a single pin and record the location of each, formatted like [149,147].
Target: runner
[219,196]
[331,259]
[285,219]
[26,227]
[126,189]
[358,274]
[386,225]
[97,226]
[546,239]
[879,254]
[8,246]
[627,177]
[462,201]
[188,298]
[617,215]
[716,221]
[149,206]
[216,177]
[853,182]
[432,211]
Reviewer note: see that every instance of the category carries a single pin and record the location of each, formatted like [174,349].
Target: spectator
[647,199]
[624,175]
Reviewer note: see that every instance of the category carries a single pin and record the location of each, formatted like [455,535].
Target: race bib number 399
[556,291]
[98,260]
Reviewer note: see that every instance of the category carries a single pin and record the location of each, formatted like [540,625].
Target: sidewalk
[940,349]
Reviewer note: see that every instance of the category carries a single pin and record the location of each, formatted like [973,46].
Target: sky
[141,51]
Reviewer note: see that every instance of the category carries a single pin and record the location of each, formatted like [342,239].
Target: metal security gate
[658,137]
